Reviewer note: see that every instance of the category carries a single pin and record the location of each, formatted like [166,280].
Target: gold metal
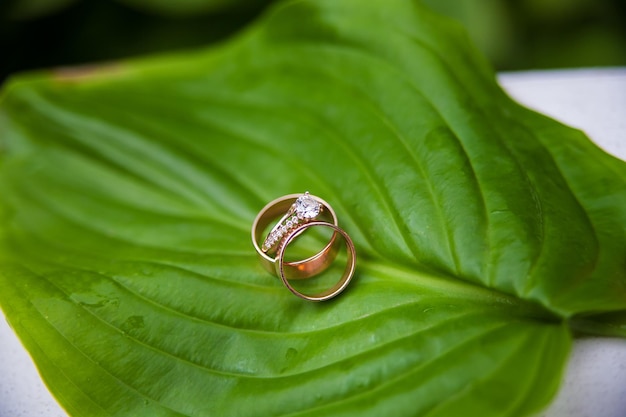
[343,281]
[302,269]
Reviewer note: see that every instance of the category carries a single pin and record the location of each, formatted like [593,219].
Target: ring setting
[303,210]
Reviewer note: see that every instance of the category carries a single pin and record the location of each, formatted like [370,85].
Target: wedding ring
[292,211]
[305,209]
[340,285]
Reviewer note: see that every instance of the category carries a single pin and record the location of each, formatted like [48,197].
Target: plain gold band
[343,281]
[302,269]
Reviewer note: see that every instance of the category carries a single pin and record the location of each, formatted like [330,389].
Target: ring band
[343,281]
[279,208]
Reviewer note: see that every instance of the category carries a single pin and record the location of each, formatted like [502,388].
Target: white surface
[593,100]
[22,393]
[595,381]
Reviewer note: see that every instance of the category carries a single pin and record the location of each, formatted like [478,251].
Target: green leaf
[32,9]
[192,7]
[482,228]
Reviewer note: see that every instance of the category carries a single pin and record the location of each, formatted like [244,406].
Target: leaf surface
[191,8]
[128,193]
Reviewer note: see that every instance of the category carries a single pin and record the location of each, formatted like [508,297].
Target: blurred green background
[514,35]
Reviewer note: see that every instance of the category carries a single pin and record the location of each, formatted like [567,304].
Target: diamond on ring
[305,209]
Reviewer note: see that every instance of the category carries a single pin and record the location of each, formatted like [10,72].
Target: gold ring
[292,210]
[340,285]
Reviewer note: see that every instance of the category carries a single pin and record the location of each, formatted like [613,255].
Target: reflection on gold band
[341,284]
